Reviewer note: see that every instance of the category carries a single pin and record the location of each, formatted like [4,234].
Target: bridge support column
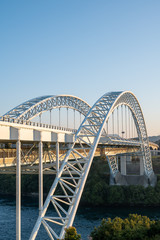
[18,188]
[141,166]
[57,157]
[40,177]
[117,160]
[128,158]
[123,165]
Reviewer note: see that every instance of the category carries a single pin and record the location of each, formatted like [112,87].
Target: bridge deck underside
[30,158]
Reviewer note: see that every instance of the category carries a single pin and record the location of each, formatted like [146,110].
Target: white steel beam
[18,188]
[57,157]
[40,176]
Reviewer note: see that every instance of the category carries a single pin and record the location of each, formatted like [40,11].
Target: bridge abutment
[132,172]
[123,164]
[127,180]
[153,179]
[141,166]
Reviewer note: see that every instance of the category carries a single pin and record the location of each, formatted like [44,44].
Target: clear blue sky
[81,47]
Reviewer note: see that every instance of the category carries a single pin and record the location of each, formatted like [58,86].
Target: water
[86,218]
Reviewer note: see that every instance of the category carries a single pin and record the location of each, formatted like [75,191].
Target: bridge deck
[30,135]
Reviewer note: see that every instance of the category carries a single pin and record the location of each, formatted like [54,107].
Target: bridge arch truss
[77,163]
[34,107]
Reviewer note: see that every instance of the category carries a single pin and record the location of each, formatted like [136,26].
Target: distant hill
[154,138]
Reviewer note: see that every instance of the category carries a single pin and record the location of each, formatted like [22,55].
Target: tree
[135,227]
[71,234]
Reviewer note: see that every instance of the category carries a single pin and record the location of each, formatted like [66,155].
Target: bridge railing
[110,137]
[36,124]
[155,152]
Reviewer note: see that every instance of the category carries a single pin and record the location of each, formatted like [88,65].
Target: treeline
[97,191]
[134,227]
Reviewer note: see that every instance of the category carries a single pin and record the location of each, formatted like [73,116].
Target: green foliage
[116,195]
[96,188]
[97,191]
[135,227]
[7,184]
[155,229]
[71,234]
[29,184]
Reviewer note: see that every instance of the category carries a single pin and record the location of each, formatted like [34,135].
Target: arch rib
[33,107]
[90,129]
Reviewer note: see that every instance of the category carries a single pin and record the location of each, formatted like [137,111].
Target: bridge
[113,127]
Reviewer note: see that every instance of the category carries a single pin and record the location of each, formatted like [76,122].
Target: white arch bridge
[73,150]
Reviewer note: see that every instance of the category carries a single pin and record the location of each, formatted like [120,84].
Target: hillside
[154,139]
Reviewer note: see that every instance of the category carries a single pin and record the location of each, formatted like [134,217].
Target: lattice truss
[112,162]
[33,107]
[131,101]
[30,159]
[66,191]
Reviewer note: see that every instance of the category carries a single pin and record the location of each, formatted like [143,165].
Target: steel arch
[35,106]
[132,103]
[72,186]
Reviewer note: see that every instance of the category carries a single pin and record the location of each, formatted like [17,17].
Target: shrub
[135,227]
[71,234]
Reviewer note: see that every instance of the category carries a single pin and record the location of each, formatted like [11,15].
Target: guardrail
[155,152]
[36,124]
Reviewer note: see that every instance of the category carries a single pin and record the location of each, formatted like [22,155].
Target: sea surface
[86,218]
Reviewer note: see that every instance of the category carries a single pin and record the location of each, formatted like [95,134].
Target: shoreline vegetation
[134,227]
[97,191]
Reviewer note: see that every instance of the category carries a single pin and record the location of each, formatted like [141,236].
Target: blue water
[85,220]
